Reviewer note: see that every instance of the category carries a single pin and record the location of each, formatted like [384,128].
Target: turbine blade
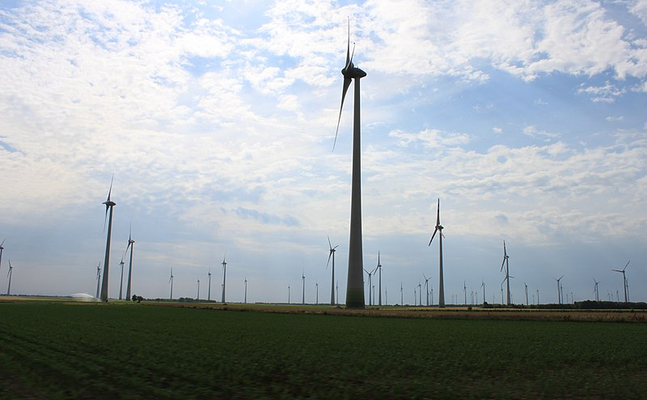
[438,214]
[432,236]
[329,244]
[626,265]
[347,82]
[2,242]
[329,257]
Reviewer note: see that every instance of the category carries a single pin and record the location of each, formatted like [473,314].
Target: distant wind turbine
[197,297]
[106,264]
[559,290]
[224,276]
[379,286]
[465,292]
[355,284]
[288,294]
[121,278]
[625,284]
[483,286]
[303,288]
[331,255]
[171,282]
[526,286]
[131,245]
[9,275]
[209,286]
[1,250]
[317,291]
[507,271]
[439,228]
[98,279]
[370,303]
[245,290]
[426,287]
[596,290]
[401,295]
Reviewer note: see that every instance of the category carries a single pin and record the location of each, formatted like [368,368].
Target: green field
[56,350]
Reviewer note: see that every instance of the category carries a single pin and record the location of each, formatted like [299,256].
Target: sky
[217,119]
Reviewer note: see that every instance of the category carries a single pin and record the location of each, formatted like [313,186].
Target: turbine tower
[559,290]
[426,287]
[507,271]
[355,284]
[245,290]
[98,279]
[9,275]
[332,281]
[209,287]
[224,276]
[198,296]
[106,264]
[1,249]
[121,279]
[303,288]
[483,286]
[379,285]
[131,245]
[439,228]
[171,282]
[625,284]
[596,290]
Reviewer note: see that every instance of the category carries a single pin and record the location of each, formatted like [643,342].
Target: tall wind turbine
[209,286]
[559,290]
[439,228]
[303,288]
[131,245]
[379,286]
[401,295]
[171,282]
[331,254]
[483,286]
[9,275]
[106,264]
[98,279]
[596,290]
[625,284]
[198,296]
[1,249]
[507,271]
[426,287]
[121,278]
[224,276]
[526,286]
[245,289]
[370,303]
[355,284]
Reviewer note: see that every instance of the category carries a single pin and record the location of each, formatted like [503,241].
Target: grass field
[58,350]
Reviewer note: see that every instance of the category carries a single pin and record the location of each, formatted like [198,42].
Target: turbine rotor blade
[347,82]
[432,236]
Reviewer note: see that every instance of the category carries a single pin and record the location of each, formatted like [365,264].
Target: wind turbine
[131,245]
[198,296]
[209,287]
[526,286]
[332,280]
[121,278]
[9,275]
[106,264]
[426,287]
[317,295]
[370,303]
[559,290]
[171,282]
[288,294]
[1,249]
[624,280]
[245,289]
[379,286]
[596,290]
[507,271]
[303,287]
[355,285]
[437,228]
[465,292]
[98,278]
[224,276]
[483,286]
[401,295]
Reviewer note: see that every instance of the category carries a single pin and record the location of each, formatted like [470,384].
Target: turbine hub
[352,72]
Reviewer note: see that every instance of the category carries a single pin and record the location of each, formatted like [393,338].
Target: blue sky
[217,120]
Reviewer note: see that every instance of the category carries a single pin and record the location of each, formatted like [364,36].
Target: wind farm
[222,131]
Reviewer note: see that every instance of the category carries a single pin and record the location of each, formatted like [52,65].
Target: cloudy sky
[526,118]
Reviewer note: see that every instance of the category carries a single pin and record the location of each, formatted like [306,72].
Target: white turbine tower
[171,282]
[224,276]
[9,275]
[625,284]
[507,271]
[131,245]
[98,279]
[596,290]
[331,254]
[106,264]
[355,283]
[439,228]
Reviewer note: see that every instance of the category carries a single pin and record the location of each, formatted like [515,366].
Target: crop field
[61,350]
